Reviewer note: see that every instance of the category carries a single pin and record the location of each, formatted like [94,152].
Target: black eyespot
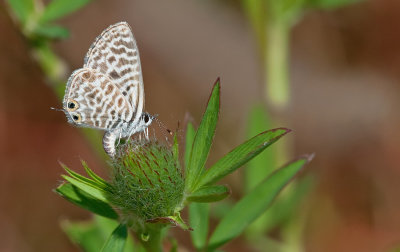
[146,118]
[71,105]
[75,117]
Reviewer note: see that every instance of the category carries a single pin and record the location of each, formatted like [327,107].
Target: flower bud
[147,181]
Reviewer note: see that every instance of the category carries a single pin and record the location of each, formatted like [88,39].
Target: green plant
[37,23]
[272,22]
[147,190]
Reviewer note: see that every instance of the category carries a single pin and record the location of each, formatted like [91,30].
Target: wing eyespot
[72,105]
[77,118]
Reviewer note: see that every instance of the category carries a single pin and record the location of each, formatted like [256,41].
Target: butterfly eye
[77,117]
[146,118]
[72,105]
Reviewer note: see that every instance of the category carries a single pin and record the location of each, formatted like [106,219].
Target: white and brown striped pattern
[107,93]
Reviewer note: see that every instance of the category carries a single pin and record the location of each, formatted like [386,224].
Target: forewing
[92,100]
[115,54]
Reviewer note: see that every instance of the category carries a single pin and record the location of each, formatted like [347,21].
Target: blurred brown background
[345,72]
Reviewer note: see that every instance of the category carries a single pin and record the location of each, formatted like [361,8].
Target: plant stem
[277,51]
[153,244]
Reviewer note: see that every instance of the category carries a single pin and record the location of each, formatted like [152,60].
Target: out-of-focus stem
[54,68]
[277,69]
[277,76]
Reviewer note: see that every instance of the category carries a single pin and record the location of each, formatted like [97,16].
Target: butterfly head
[145,120]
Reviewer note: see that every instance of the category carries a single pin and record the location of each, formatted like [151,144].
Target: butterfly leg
[109,143]
[119,139]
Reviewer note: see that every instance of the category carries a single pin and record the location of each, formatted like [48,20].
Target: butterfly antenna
[162,126]
[57,109]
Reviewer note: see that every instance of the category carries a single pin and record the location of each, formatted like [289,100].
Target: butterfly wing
[92,100]
[115,54]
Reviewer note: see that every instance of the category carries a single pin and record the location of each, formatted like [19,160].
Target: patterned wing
[115,54]
[92,100]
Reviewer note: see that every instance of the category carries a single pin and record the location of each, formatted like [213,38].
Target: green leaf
[22,9]
[94,176]
[261,166]
[91,235]
[86,201]
[116,241]
[87,188]
[285,206]
[84,234]
[198,219]
[240,155]
[209,194]
[190,133]
[203,139]
[330,4]
[51,31]
[60,8]
[83,179]
[251,206]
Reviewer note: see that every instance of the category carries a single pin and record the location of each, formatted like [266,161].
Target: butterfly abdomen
[109,143]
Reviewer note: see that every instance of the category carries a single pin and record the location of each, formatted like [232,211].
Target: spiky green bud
[147,181]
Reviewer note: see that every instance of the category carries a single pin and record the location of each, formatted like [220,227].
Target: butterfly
[107,92]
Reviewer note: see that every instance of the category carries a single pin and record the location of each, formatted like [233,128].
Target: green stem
[153,243]
[277,51]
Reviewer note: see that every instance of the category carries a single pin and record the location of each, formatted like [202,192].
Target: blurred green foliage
[272,22]
[36,19]
[91,235]
[57,9]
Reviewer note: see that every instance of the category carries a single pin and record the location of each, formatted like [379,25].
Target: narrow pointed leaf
[59,8]
[251,206]
[198,219]
[51,31]
[203,139]
[209,194]
[83,179]
[22,9]
[89,189]
[116,242]
[93,175]
[190,133]
[240,155]
[86,201]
